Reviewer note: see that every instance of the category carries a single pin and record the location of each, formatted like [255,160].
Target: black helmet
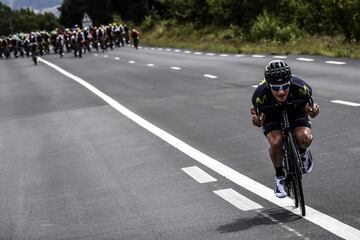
[277,72]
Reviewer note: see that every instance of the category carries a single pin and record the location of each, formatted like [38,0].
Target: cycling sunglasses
[283,87]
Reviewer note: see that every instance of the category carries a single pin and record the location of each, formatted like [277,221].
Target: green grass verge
[231,40]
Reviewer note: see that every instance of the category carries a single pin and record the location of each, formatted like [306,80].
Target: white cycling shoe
[280,187]
[307,161]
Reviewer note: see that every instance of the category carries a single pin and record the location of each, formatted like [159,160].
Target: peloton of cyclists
[74,40]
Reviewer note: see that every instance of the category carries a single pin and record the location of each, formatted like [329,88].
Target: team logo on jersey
[304,91]
[262,82]
[260,101]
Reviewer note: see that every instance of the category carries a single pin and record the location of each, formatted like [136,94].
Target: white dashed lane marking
[335,62]
[280,57]
[150,65]
[346,103]
[199,175]
[175,68]
[239,201]
[305,59]
[210,76]
[132,62]
[258,56]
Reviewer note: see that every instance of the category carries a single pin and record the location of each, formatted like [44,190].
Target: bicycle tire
[295,158]
[292,185]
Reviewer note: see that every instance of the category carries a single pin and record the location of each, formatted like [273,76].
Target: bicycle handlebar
[284,105]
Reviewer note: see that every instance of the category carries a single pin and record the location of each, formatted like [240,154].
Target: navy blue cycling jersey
[299,89]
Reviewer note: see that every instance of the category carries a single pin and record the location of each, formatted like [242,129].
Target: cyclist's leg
[301,125]
[275,140]
[272,131]
[302,128]
[304,137]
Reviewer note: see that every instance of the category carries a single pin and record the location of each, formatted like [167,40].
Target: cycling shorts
[296,119]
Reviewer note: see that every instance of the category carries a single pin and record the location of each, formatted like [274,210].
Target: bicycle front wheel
[291,183]
[297,177]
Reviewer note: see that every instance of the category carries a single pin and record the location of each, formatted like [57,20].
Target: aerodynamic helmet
[277,72]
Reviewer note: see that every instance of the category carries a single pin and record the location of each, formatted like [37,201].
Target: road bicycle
[292,163]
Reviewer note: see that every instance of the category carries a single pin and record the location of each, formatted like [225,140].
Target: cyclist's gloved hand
[257,120]
[313,110]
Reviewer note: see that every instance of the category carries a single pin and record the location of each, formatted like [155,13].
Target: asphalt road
[75,164]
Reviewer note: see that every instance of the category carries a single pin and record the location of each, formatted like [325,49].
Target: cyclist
[135,36]
[34,49]
[280,86]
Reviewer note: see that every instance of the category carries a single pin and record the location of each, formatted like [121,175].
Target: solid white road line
[335,62]
[305,59]
[238,200]
[210,76]
[199,175]
[175,68]
[346,103]
[327,222]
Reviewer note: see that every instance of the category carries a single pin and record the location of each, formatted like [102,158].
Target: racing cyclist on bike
[280,86]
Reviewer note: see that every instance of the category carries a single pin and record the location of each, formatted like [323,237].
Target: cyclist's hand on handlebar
[313,110]
[257,120]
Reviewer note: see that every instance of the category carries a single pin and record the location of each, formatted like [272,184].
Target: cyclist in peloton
[280,86]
